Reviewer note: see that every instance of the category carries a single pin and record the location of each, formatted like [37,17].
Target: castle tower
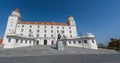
[13,20]
[71,21]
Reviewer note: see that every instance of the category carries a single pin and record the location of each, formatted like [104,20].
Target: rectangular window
[21,34]
[30,41]
[37,35]
[51,35]
[38,26]
[51,26]
[70,31]
[44,31]
[57,31]
[44,35]
[69,27]
[79,42]
[45,27]
[29,30]
[85,41]
[62,27]
[21,41]
[21,30]
[51,31]
[25,41]
[30,26]
[69,42]
[29,35]
[16,40]
[9,40]
[22,25]
[92,41]
[74,42]
[37,30]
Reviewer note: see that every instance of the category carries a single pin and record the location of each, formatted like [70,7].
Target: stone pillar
[59,45]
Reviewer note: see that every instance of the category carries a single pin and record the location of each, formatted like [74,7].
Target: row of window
[9,40]
[45,27]
[38,35]
[75,42]
[46,31]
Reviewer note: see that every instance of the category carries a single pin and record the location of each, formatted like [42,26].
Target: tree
[114,43]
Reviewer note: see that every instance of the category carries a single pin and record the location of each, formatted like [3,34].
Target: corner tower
[71,21]
[13,20]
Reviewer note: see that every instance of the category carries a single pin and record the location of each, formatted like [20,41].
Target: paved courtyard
[48,54]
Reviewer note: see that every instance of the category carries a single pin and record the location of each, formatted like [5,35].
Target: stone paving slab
[50,50]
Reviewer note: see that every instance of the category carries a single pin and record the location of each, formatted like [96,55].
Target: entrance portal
[45,42]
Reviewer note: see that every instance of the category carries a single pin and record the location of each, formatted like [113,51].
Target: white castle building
[20,33]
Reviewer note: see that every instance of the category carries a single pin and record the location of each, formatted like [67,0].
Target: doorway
[45,42]
[37,42]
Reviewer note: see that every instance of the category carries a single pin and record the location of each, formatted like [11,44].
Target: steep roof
[45,23]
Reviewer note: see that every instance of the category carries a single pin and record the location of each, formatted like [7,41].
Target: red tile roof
[45,23]
[1,40]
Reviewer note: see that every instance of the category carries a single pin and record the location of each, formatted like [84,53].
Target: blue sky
[100,17]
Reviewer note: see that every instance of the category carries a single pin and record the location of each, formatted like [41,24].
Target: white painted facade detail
[19,33]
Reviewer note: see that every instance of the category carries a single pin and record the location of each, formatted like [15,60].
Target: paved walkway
[50,50]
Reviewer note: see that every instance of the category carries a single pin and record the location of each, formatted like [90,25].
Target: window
[22,25]
[37,35]
[63,31]
[51,26]
[21,30]
[9,30]
[51,35]
[9,40]
[69,42]
[30,26]
[69,27]
[85,41]
[21,41]
[29,35]
[25,41]
[45,27]
[70,31]
[92,41]
[30,41]
[18,26]
[79,42]
[71,36]
[38,26]
[44,35]
[74,42]
[37,30]
[29,30]
[57,31]
[16,40]
[51,31]
[57,27]
[45,31]
[21,34]
[62,27]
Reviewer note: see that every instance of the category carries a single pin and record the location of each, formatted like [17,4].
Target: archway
[45,42]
